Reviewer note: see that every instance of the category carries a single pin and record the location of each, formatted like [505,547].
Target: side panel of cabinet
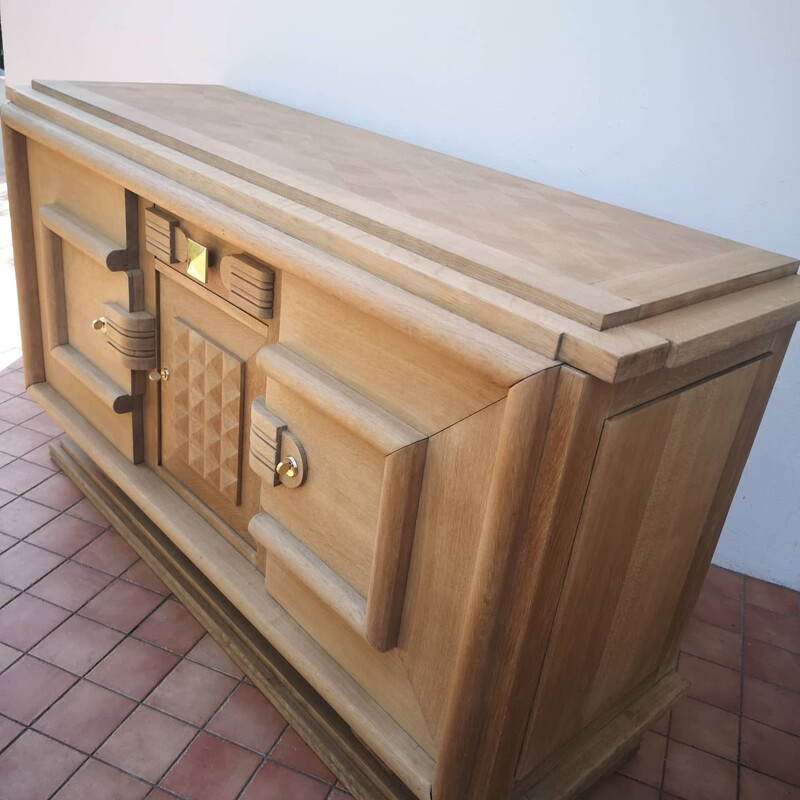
[646,514]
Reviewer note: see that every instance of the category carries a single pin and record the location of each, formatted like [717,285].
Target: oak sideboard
[440,455]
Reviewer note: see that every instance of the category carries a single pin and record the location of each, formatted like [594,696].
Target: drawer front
[241,280]
[209,360]
[98,340]
[341,517]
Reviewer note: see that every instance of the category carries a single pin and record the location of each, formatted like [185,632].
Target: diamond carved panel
[208,405]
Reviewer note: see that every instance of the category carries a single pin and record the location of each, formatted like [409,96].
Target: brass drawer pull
[99,324]
[287,468]
[159,374]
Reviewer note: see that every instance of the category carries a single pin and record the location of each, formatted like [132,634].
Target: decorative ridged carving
[208,409]
[265,437]
[132,334]
[164,238]
[250,284]
[160,235]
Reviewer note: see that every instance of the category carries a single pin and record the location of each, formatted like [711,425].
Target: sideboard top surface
[610,284]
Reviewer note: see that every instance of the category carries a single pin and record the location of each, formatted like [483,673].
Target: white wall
[687,110]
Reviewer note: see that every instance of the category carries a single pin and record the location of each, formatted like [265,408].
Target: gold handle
[287,468]
[99,324]
[159,374]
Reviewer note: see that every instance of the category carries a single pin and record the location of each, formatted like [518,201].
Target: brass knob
[99,324]
[159,374]
[287,468]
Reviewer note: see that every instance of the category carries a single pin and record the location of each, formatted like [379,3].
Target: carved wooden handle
[132,334]
[169,244]
[275,453]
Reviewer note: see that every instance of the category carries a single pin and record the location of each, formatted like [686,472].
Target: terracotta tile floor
[110,689]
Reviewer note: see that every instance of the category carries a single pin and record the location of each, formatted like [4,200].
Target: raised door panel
[345,523]
[207,407]
[646,511]
[98,340]
[212,378]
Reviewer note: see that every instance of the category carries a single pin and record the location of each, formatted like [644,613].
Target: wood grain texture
[519,417]
[354,439]
[317,576]
[452,506]
[632,552]
[601,751]
[727,321]
[521,441]
[520,320]
[75,282]
[22,234]
[467,217]
[250,284]
[219,478]
[550,520]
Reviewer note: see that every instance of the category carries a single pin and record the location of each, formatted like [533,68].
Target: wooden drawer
[345,523]
[98,340]
[245,282]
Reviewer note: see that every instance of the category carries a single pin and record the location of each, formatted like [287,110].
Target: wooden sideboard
[452,449]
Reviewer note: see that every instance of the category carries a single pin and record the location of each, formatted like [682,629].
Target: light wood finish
[81,266]
[19,200]
[210,401]
[603,750]
[455,445]
[250,285]
[94,244]
[362,178]
[160,235]
[632,551]
[266,432]
[208,407]
[312,571]
[727,321]
[520,444]
[355,445]
[133,335]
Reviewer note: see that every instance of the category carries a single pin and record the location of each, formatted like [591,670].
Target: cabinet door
[98,340]
[213,377]
[341,487]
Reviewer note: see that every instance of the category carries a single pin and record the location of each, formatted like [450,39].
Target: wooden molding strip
[600,750]
[579,301]
[397,519]
[404,448]
[243,586]
[94,379]
[693,282]
[351,410]
[312,571]
[727,321]
[86,239]
[23,239]
[500,358]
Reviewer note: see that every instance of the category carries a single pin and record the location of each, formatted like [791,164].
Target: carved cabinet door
[210,377]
